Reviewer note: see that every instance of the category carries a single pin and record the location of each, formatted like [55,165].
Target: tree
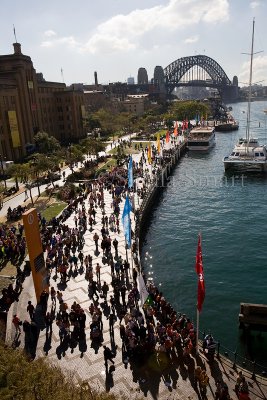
[45,143]
[74,155]
[92,146]
[16,172]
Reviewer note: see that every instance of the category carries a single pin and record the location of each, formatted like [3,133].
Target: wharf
[253,316]
[157,377]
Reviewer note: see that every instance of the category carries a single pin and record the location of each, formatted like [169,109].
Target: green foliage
[180,110]
[21,379]
[45,143]
[67,192]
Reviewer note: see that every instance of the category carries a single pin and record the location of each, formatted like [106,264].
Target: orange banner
[35,251]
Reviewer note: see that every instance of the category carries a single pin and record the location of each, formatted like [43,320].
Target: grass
[132,150]
[53,210]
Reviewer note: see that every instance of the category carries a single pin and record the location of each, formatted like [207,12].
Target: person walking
[30,310]
[96,238]
[16,322]
[105,289]
[97,270]
[108,356]
[115,245]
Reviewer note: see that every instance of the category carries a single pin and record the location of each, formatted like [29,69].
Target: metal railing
[239,361]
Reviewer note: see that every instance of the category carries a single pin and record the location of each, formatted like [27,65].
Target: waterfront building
[29,104]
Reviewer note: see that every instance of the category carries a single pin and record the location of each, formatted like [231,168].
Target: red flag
[175,132]
[200,272]
[167,137]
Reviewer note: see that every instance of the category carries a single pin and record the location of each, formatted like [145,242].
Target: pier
[253,317]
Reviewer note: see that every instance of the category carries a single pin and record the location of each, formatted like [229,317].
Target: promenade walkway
[156,377]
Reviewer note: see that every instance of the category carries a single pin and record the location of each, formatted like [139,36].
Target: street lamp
[2,169]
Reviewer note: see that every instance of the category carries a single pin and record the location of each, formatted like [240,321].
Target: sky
[70,40]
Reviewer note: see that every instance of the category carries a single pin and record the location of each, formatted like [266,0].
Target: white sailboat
[248,155]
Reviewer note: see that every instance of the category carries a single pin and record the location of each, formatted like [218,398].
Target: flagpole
[197,329]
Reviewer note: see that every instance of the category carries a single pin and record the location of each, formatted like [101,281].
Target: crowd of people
[156,328]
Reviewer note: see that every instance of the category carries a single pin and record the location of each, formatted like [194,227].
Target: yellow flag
[149,153]
[158,143]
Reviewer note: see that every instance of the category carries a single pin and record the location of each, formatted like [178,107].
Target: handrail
[240,361]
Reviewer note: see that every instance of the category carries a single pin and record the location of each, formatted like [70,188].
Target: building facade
[29,104]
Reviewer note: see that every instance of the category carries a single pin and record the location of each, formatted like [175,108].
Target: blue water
[230,213]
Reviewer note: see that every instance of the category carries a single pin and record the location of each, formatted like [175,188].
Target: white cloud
[69,41]
[192,39]
[123,33]
[254,4]
[49,33]
[259,71]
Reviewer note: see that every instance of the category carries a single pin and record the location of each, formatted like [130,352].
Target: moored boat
[201,138]
[226,126]
[248,154]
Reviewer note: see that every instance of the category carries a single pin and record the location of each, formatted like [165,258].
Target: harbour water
[230,213]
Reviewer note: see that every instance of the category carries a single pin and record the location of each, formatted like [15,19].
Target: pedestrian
[108,356]
[115,245]
[30,310]
[96,238]
[53,295]
[97,270]
[134,275]
[48,323]
[111,320]
[16,322]
[238,381]
[105,289]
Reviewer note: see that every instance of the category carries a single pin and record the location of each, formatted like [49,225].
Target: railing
[239,361]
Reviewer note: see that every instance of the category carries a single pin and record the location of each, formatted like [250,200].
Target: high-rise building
[142,78]
[130,80]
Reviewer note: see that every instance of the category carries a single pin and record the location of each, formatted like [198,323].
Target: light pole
[2,169]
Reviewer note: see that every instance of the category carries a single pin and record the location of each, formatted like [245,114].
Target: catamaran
[248,154]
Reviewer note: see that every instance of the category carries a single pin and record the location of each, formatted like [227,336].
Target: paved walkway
[155,378]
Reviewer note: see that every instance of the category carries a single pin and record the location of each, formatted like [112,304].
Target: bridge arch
[177,69]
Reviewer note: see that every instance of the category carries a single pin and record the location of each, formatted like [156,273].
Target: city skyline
[117,38]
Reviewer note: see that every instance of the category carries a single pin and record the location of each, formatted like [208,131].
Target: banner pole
[197,330]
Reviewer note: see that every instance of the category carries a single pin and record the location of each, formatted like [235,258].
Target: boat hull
[226,127]
[245,165]
[198,145]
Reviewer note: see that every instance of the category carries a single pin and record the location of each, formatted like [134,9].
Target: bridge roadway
[156,379]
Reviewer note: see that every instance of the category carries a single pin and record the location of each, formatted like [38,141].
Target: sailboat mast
[250,82]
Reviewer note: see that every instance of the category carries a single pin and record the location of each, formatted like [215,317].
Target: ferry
[201,138]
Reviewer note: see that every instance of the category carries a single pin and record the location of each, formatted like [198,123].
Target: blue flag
[126,221]
[130,173]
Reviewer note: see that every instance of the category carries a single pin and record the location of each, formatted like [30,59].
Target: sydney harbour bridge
[201,71]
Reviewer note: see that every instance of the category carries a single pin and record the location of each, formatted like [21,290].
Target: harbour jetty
[253,317]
